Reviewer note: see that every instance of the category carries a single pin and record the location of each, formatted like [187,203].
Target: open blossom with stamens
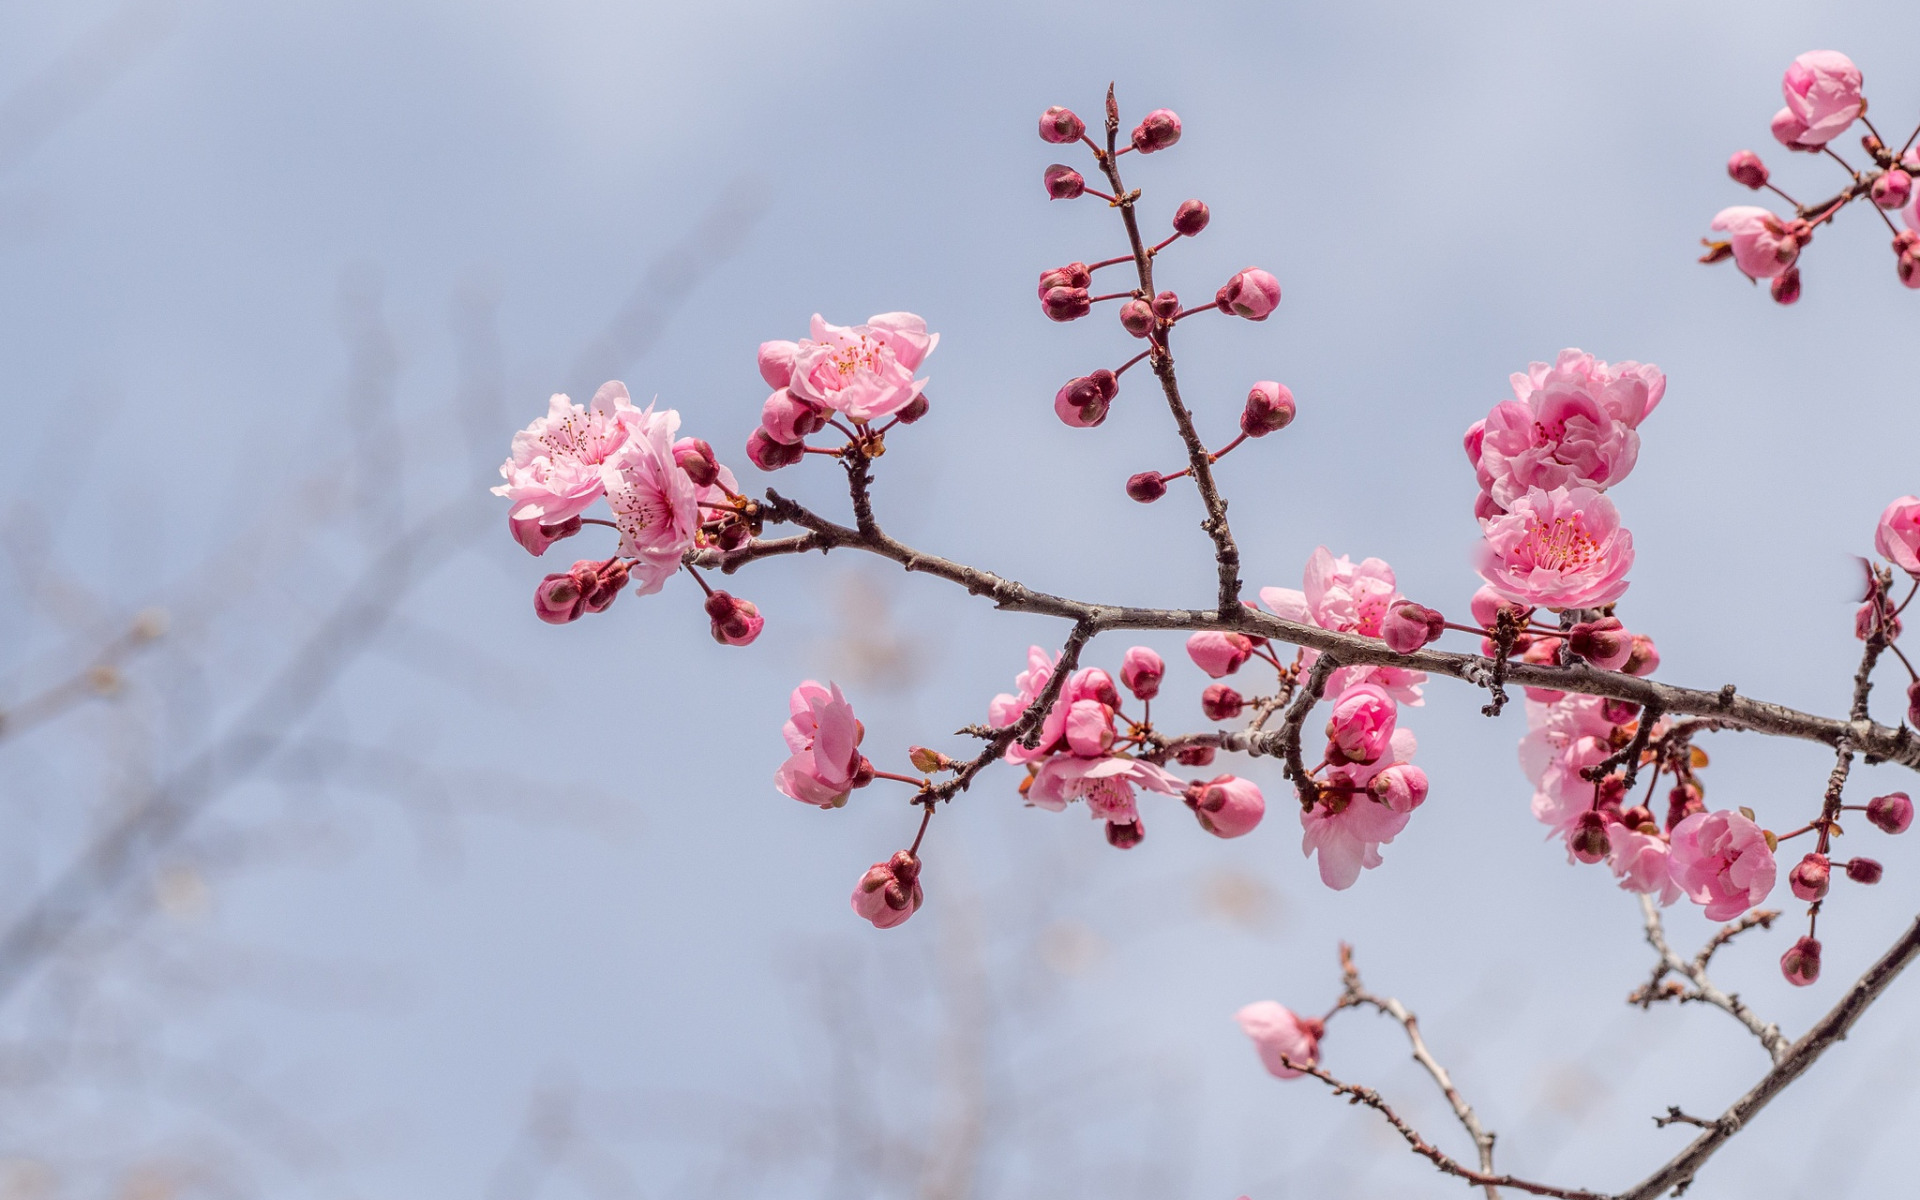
[865,371]
[554,473]
[1763,245]
[1282,1037]
[1106,784]
[1559,549]
[654,503]
[1564,736]
[824,736]
[1348,825]
[1721,860]
[1639,861]
[1346,597]
[1572,424]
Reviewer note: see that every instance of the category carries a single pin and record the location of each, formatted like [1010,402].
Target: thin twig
[1695,971]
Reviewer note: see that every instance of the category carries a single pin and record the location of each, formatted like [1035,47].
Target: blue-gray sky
[254,247]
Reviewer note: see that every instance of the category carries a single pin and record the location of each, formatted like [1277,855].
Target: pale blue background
[296,271]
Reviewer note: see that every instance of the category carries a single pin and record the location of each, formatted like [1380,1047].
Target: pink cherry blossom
[1822,91]
[824,737]
[889,892]
[554,471]
[1347,826]
[1282,1037]
[1141,671]
[1559,549]
[1639,861]
[1227,805]
[653,502]
[1361,727]
[1721,860]
[864,371]
[1217,653]
[1106,784]
[1897,536]
[1402,787]
[1763,245]
[1564,736]
[1628,391]
[1089,728]
[534,537]
[1566,433]
[1005,709]
[1339,595]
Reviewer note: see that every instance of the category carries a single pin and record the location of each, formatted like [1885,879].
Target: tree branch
[1695,971]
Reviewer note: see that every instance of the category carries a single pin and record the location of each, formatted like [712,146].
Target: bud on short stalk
[1786,290]
[1083,402]
[1913,704]
[1269,409]
[736,622]
[1073,275]
[1682,802]
[915,409]
[1059,126]
[1409,626]
[770,455]
[1893,189]
[1252,293]
[1226,806]
[924,759]
[1221,703]
[1066,304]
[1064,183]
[1747,170]
[1125,836]
[1160,129]
[695,457]
[1891,813]
[1588,840]
[534,537]
[1141,672]
[1801,963]
[1809,877]
[788,419]
[889,892]
[1136,317]
[1864,870]
[1166,306]
[1190,218]
[1603,643]
[1147,486]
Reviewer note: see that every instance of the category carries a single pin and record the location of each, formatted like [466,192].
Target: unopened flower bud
[1864,870]
[928,760]
[1402,787]
[1645,658]
[1891,813]
[1157,131]
[1486,606]
[1682,802]
[1801,963]
[1166,306]
[737,623]
[889,892]
[1141,672]
[1269,409]
[1065,304]
[1906,264]
[1251,293]
[1746,169]
[1227,805]
[1219,653]
[599,582]
[1073,275]
[1362,723]
[1786,286]
[1913,704]
[1409,626]
[1892,189]
[770,455]
[1588,841]
[720,606]
[1136,317]
[1194,756]
[695,457]
[1083,402]
[788,419]
[557,600]
[1808,879]
[1640,819]
[1125,836]
[1221,703]
[915,409]
[734,534]
[534,537]
[864,771]
[1147,486]
[1190,218]
[1060,126]
[1603,643]
[1064,183]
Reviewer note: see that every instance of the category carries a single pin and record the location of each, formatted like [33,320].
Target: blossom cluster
[1822,89]
[858,374]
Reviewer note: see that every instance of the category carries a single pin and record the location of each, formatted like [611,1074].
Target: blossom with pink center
[1227,805]
[1564,438]
[1141,671]
[1106,784]
[889,892]
[1281,1037]
[1639,862]
[1348,825]
[654,503]
[1006,708]
[1559,549]
[1822,91]
[1721,860]
[1218,653]
[1564,736]
[1361,727]
[1628,391]
[1339,595]
[1897,536]
[1763,245]
[824,736]
[865,371]
[554,472]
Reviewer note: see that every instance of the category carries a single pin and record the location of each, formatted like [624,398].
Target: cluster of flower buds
[666,497]
[859,373]
[1823,96]
[1089,749]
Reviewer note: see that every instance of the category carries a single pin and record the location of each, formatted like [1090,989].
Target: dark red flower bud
[1125,837]
[600,583]
[1809,877]
[557,600]
[1221,703]
[863,772]
[1786,290]
[1801,963]
[1083,402]
[1160,129]
[769,455]
[1147,486]
[733,535]
[1064,183]
[1746,169]
[1166,306]
[1194,756]
[1913,704]
[1639,818]
[1136,317]
[1864,870]
[719,606]
[1269,409]
[1065,304]
[741,624]
[1073,275]
[1603,643]
[1588,841]
[1059,126]
[1682,802]
[1891,813]
[915,409]
[1190,218]
[695,457]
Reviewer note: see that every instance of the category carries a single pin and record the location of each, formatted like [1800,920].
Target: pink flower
[654,503]
[889,892]
[1763,244]
[1219,654]
[788,419]
[1141,671]
[534,537]
[1565,433]
[1897,537]
[1361,727]
[1822,90]
[1251,293]
[1281,1037]
[1801,963]
[1348,826]
[1721,860]
[825,739]
[1226,805]
[1347,598]
[1409,626]
[1402,787]
[1628,391]
[1563,737]
[1106,784]
[554,471]
[1559,549]
[1639,861]
[865,371]
[1005,709]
